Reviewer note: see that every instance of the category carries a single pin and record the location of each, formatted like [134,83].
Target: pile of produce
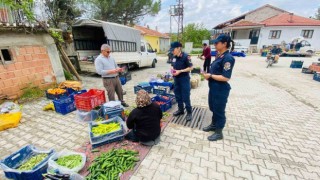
[99,119]
[32,162]
[160,103]
[109,165]
[56,91]
[127,112]
[70,161]
[102,129]
[49,107]
[165,115]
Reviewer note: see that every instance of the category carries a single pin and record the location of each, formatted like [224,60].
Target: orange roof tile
[287,19]
[150,32]
[242,23]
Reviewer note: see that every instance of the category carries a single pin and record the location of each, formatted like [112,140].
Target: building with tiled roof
[157,40]
[269,25]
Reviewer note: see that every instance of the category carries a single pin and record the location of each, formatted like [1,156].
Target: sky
[214,12]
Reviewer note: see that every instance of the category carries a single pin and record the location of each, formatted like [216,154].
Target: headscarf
[143,99]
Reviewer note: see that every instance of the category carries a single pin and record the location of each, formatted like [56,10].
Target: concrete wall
[35,61]
[164,45]
[287,34]
[153,41]
[262,14]
[242,34]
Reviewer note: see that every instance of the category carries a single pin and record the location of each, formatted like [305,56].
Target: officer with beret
[181,67]
[219,88]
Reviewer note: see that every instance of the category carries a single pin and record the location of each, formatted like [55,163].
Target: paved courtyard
[272,129]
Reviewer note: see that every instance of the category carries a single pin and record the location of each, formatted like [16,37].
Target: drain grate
[201,117]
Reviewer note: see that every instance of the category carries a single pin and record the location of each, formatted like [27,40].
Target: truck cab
[148,55]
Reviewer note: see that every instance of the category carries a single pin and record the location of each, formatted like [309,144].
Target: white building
[269,25]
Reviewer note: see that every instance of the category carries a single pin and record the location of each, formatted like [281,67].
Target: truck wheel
[310,52]
[153,64]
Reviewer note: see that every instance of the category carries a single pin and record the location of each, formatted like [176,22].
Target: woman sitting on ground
[144,121]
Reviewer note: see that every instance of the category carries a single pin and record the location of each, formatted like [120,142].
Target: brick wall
[31,64]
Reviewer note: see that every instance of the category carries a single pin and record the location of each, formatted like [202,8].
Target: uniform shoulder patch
[227,66]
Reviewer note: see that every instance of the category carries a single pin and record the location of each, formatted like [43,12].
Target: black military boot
[216,136]
[209,128]
[189,116]
[178,113]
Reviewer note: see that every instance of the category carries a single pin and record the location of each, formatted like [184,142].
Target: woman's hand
[176,73]
[207,76]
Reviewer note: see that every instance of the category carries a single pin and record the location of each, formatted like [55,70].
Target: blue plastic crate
[71,91]
[97,141]
[56,96]
[12,162]
[159,91]
[146,88]
[166,84]
[316,76]
[64,105]
[296,64]
[164,107]
[108,113]
[172,98]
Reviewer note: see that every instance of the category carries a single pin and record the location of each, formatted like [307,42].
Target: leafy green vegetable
[70,161]
[32,162]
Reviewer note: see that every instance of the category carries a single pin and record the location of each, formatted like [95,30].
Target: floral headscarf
[143,99]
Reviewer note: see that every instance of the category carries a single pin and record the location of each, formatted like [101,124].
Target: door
[151,55]
[144,55]
[254,36]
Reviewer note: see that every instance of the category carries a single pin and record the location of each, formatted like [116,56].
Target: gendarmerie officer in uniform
[181,66]
[219,88]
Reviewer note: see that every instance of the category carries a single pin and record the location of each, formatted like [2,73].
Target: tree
[124,11]
[195,33]
[59,11]
[318,14]
[25,7]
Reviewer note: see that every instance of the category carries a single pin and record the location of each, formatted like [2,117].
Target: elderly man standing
[106,67]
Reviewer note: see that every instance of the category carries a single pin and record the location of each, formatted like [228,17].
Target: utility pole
[177,11]
[180,19]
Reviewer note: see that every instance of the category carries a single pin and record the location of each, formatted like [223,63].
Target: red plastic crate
[89,100]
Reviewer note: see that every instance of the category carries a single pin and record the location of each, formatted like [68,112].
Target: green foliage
[32,92]
[24,5]
[195,33]
[124,11]
[56,35]
[62,11]
[196,52]
[68,75]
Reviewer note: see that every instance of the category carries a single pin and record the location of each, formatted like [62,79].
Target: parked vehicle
[306,47]
[127,46]
[233,53]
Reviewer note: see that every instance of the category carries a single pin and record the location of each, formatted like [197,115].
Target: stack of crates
[296,64]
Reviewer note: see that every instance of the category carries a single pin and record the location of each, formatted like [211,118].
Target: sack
[10,115]
[54,167]
[75,85]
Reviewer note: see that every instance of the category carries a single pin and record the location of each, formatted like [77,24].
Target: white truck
[127,46]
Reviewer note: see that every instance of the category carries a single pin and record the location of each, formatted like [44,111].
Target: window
[307,34]
[5,56]
[142,48]
[149,48]
[275,34]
